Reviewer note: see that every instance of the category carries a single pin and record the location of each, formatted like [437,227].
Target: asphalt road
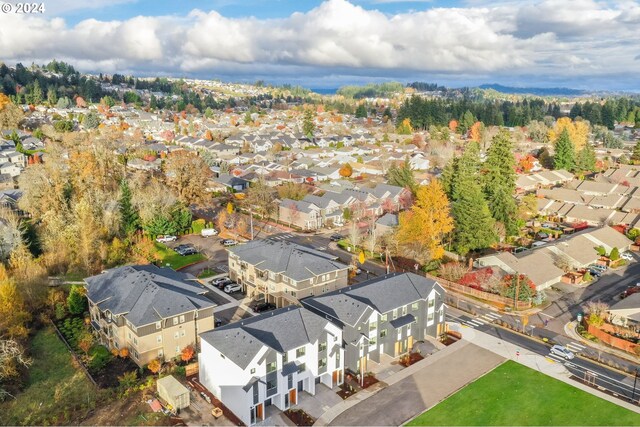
[583,369]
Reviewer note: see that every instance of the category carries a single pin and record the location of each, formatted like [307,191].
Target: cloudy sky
[574,43]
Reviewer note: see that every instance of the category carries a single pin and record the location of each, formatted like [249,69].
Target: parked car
[233,287]
[265,306]
[186,250]
[602,268]
[595,273]
[562,352]
[166,239]
[627,256]
[219,280]
[336,237]
[208,232]
[224,283]
[229,242]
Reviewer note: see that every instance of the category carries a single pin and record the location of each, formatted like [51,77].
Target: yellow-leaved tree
[578,131]
[422,229]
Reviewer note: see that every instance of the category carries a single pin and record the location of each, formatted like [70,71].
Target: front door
[300,385]
[334,377]
[293,397]
[286,401]
[410,343]
[260,412]
[397,348]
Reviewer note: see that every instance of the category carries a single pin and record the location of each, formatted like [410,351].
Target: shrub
[124,352]
[601,251]
[615,254]
[76,302]
[60,311]
[587,277]
[180,371]
[100,357]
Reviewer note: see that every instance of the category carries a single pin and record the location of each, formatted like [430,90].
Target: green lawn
[175,261]
[56,391]
[513,394]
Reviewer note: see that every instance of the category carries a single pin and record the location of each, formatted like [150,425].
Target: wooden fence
[493,299]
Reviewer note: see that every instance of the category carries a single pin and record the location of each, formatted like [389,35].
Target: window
[135,340]
[395,313]
[302,367]
[129,335]
[183,333]
[158,325]
[272,384]
[285,357]
[432,302]
[271,366]
[175,320]
[337,359]
[322,363]
[300,352]
[404,310]
[383,333]
[177,350]
[373,326]
[182,318]
[373,341]
[176,335]
[322,346]
[430,317]
[160,353]
[414,306]
[383,318]
[293,293]
[135,354]
[159,338]
[253,371]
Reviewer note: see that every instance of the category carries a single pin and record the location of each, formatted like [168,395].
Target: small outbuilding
[173,392]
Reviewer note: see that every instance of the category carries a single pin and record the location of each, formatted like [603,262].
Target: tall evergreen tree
[635,156]
[500,180]
[361,112]
[564,157]
[474,226]
[586,159]
[130,220]
[467,169]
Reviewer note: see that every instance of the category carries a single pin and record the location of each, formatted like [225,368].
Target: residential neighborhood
[336,213]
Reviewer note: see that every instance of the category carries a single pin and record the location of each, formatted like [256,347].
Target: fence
[494,299]
[613,341]
[73,354]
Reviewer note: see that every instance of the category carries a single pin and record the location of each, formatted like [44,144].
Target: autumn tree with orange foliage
[475,133]
[422,228]
[187,172]
[208,135]
[453,125]
[154,366]
[578,131]
[187,353]
[346,170]
[124,352]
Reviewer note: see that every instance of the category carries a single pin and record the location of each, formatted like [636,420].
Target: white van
[208,232]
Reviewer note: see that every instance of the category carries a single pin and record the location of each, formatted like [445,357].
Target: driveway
[423,389]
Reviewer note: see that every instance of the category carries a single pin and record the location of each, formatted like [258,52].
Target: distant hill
[540,91]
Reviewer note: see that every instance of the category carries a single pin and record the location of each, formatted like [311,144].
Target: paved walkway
[532,360]
[414,389]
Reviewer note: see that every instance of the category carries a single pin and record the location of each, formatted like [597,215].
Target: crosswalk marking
[573,346]
[475,323]
[555,357]
[322,248]
[281,236]
[493,316]
[480,320]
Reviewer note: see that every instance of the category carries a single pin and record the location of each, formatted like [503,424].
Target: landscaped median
[513,394]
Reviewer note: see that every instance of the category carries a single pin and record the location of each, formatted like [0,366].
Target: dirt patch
[346,391]
[132,410]
[108,376]
[369,380]
[410,359]
[299,417]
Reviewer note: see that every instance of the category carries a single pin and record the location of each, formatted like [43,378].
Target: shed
[173,392]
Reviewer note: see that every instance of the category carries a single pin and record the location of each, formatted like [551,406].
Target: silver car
[562,352]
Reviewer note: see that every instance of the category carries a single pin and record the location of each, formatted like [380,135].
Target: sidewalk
[533,361]
[411,391]
[570,330]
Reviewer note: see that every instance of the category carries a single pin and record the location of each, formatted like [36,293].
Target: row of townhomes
[541,264]
[273,358]
[154,312]
[282,272]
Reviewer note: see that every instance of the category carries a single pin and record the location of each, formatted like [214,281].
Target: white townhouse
[270,359]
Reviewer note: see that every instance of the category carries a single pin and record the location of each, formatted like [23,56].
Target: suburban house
[301,214]
[269,360]
[544,265]
[281,272]
[626,312]
[387,223]
[383,317]
[153,312]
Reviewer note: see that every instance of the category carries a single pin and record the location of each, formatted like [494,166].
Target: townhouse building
[281,272]
[269,360]
[383,317]
[153,312]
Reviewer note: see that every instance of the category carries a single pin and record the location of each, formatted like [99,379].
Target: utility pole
[635,380]
[517,293]
[251,222]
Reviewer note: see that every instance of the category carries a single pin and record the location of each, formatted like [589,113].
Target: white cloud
[552,37]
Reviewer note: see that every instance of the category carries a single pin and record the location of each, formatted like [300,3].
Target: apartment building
[269,360]
[153,312]
[283,272]
[383,316]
